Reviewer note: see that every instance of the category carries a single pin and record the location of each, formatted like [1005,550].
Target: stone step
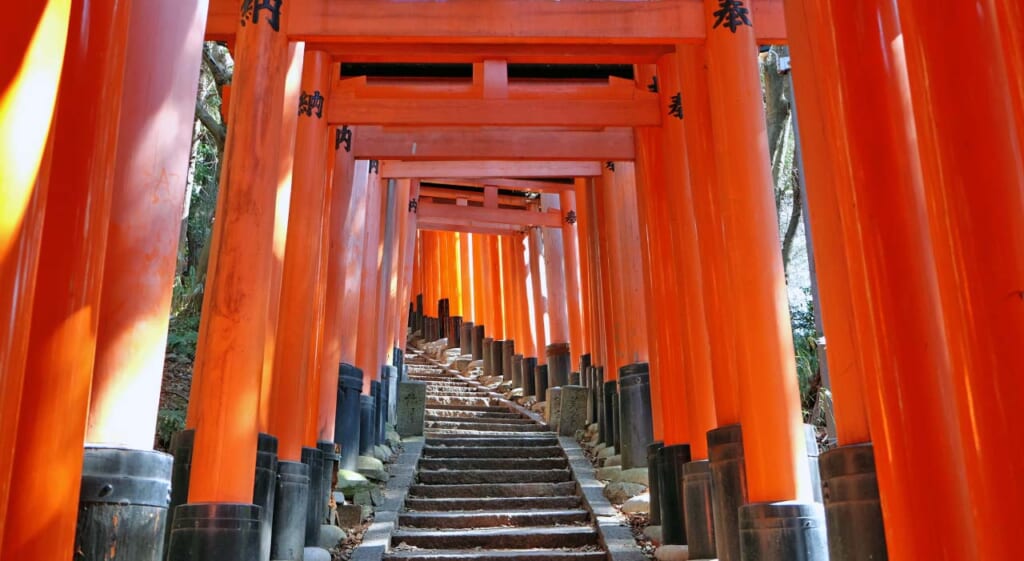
[493,490]
[474,408]
[583,554]
[493,519]
[541,439]
[447,414]
[466,476]
[431,451]
[508,419]
[487,426]
[492,463]
[492,503]
[476,401]
[497,538]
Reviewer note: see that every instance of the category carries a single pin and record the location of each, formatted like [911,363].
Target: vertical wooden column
[300,279]
[574,296]
[1011,23]
[47,453]
[37,34]
[718,315]
[389,249]
[455,266]
[584,260]
[538,286]
[344,276]
[494,295]
[407,274]
[526,342]
[394,339]
[591,260]
[690,270]
[508,292]
[366,339]
[289,121]
[466,270]
[431,276]
[481,303]
[610,286]
[977,224]
[149,190]
[773,432]
[557,303]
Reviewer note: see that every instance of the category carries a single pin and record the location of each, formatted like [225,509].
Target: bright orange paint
[232,330]
[538,294]
[344,269]
[773,443]
[492,273]
[466,270]
[583,246]
[1011,20]
[47,463]
[481,302]
[37,34]
[300,280]
[590,258]
[841,298]
[722,333]
[622,221]
[554,267]
[609,284]
[977,223]
[150,181]
[526,345]
[574,296]
[406,274]
[369,302]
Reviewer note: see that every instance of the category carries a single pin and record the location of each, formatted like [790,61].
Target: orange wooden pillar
[538,292]
[289,121]
[609,284]
[492,273]
[481,303]
[1011,20]
[29,78]
[558,351]
[524,318]
[47,452]
[977,225]
[153,145]
[590,259]
[466,272]
[366,337]
[407,272]
[455,268]
[303,254]
[395,340]
[508,295]
[232,333]
[587,346]
[573,294]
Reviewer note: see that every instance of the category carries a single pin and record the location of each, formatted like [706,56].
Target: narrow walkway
[491,485]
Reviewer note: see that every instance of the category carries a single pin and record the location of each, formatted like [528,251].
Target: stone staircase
[491,484]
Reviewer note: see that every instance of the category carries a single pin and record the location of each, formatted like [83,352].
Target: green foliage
[805,346]
[183,335]
[168,422]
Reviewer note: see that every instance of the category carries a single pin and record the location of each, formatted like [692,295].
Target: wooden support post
[455,271]
[557,307]
[481,303]
[609,283]
[574,297]
[508,292]
[394,339]
[344,278]
[1010,15]
[526,342]
[300,280]
[47,452]
[590,259]
[407,274]
[289,121]
[466,270]
[773,432]
[149,190]
[690,268]
[367,341]
[37,34]
[389,250]
[539,292]
[977,231]
[583,219]
[492,272]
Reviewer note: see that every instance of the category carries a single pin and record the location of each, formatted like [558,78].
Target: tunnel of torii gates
[620,229]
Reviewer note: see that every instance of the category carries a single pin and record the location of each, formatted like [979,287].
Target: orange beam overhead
[503,183]
[452,195]
[460,226]
[379,143]
[469,215]
[489,168]
[603,22]
[543,53]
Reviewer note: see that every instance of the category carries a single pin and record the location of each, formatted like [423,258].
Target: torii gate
[921,302]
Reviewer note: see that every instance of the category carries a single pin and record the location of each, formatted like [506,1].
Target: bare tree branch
[216,128]
[791,227]
[221,75]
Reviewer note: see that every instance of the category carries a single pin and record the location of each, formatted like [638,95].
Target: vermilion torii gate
[912,122]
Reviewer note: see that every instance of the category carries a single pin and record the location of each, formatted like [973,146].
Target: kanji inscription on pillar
[732,14]
[311,103]
[271,9]
[609,165]
[375,166]
[343,137]
[570,217]
[653,86]
[414,205]
[675,106]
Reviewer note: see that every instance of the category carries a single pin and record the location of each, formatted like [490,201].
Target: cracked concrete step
[497,538]
[467,476]
[492,463]
[493,519]
[499,555]
[491,503]
[547,439]
[472,491]
[434,451]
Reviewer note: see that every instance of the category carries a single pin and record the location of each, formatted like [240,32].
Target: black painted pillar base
[508,352]
[728,488]
[498,356]
[540,382]
[853,513]
[654,477]
[389,376]
[610,392]
[785,531]
[331,459]
[530,376]
[478,342]
[347,414]
[367,412]
[290,510]
[215,532]
[487,350]
[122,508]
[616,422]
[265,488]
[559,364]
[466,338]
[700,520]
[673,516]
[517,371]
[635,416]
[181,446]
[599,405]
[314,460]
[455,333]
[378,410]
